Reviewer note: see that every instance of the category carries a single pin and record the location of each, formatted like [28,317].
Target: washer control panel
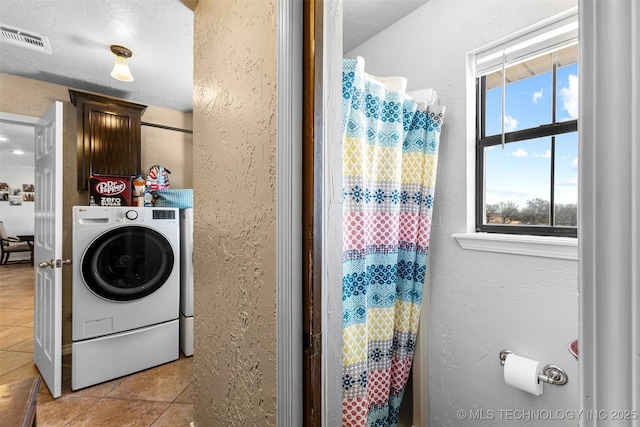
[164,214]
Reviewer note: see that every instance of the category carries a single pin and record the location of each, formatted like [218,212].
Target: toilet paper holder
[551,374]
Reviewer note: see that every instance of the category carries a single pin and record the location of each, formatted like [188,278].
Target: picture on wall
[4,192]
[16,191]
[15,200]
[28,192]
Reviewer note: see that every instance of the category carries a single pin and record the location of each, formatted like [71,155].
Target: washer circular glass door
[127,263]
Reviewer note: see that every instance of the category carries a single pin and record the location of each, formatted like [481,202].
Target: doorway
[17,176]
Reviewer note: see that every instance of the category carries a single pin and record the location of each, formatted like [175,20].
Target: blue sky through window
[521,171]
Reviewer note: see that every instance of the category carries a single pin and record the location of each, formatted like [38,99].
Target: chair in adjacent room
[9,245]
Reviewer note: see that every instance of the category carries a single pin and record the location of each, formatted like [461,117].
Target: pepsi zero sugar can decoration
[109,190]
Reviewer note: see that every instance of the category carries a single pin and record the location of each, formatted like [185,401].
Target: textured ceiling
[16,137]
[159,32]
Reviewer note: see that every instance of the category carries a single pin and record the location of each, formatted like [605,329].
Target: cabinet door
[109,137]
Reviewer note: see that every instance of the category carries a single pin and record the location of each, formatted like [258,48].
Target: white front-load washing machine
[126,291]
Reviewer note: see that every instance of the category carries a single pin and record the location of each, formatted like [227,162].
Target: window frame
[482,141]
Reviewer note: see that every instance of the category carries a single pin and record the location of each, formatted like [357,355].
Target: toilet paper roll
[522,373]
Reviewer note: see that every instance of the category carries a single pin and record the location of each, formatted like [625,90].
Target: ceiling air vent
[25,39]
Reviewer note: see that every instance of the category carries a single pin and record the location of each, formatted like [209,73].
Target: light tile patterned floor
[160,396]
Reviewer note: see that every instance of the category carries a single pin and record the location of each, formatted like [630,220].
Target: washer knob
[131,215]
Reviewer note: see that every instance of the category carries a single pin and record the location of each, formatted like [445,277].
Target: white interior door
[47,333]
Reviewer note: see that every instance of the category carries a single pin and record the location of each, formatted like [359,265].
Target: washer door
[127,263]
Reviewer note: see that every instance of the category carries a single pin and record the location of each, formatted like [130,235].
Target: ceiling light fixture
[121,68]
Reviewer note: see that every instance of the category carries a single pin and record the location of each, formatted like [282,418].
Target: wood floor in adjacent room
[160,396]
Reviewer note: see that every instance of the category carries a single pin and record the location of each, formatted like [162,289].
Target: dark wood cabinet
[109,136]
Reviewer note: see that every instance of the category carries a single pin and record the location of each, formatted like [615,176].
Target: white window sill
[539,246]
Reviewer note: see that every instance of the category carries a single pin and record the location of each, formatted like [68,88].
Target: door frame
[289,372]
[18,119]
[312,219]
[609,228]
[322,213]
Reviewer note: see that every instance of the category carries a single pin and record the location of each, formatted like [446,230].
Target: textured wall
[235,234]
[478,302]
[32,98]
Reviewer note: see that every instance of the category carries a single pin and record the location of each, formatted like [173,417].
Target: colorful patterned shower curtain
[389,155]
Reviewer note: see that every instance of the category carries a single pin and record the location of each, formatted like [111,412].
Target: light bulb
[121,70]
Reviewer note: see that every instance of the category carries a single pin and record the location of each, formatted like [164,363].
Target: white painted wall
[17,219]
[478,302]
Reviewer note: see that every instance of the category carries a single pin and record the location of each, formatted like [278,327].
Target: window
[526,127]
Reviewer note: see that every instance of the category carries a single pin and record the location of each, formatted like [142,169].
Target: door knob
[53,263]
[45,264]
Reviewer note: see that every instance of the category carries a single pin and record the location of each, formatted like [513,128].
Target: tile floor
[160,396]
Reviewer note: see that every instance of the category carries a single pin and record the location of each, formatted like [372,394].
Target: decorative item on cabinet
[109,136]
